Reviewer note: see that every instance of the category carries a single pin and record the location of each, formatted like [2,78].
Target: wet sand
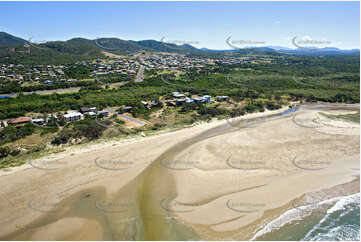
[216,181]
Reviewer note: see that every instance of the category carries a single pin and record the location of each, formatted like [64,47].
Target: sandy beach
[214,181]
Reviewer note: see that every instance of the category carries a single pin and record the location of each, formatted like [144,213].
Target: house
[189,100]
[49,82]
[4,123]
[199,100]
[20,120]
[154,103]
[145,104]
[105,113]
[180,102]
[127,109]
[73,116]
[170,103]
[84,109]
[132,73]
[51,118]
[38,121]
[91,114]
[222,98]
[178,95]
[207,99]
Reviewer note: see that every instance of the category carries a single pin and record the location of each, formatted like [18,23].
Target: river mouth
[146,207]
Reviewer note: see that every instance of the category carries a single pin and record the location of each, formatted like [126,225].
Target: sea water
[336,219]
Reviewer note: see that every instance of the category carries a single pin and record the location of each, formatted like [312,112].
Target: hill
[17,50]
[52,52]
[7,40]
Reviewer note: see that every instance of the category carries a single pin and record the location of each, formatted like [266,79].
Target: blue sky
[209,23]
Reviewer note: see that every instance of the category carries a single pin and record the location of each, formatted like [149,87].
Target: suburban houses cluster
[50,74]
[179,99]
[35,73]
[25,75]
[70,116]
[173,62]
[182,62]
[120,66]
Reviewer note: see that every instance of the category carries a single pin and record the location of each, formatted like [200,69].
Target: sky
[202,24]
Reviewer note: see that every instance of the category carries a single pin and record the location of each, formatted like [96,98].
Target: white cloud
[277,22]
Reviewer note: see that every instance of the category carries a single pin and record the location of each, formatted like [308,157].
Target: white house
[73,116]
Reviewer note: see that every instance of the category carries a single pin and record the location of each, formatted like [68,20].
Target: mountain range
[81,48]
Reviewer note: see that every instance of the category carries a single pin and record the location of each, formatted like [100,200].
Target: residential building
[73,116]
[207,99]
[20,120]
[221,98]
[38,121]
[180,102]
[105,113]
[127,109]
[178,95]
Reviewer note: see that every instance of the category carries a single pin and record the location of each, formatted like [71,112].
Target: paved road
[140,74]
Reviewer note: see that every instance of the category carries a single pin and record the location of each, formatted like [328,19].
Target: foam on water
[297,214]
[335,224]
[355,198]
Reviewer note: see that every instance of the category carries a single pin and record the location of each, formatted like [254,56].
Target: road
[299,82]
[140,74]
[60,91]
[130,119]
[138,122]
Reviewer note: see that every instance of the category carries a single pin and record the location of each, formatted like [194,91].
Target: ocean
[336,219]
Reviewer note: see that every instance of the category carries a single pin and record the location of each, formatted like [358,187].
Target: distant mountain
[167,47]
[333,49]
[320,51]
[304,51]
[84,49]
[278,48]
[80,48]
[225,51]
[10,40]
[122,46]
